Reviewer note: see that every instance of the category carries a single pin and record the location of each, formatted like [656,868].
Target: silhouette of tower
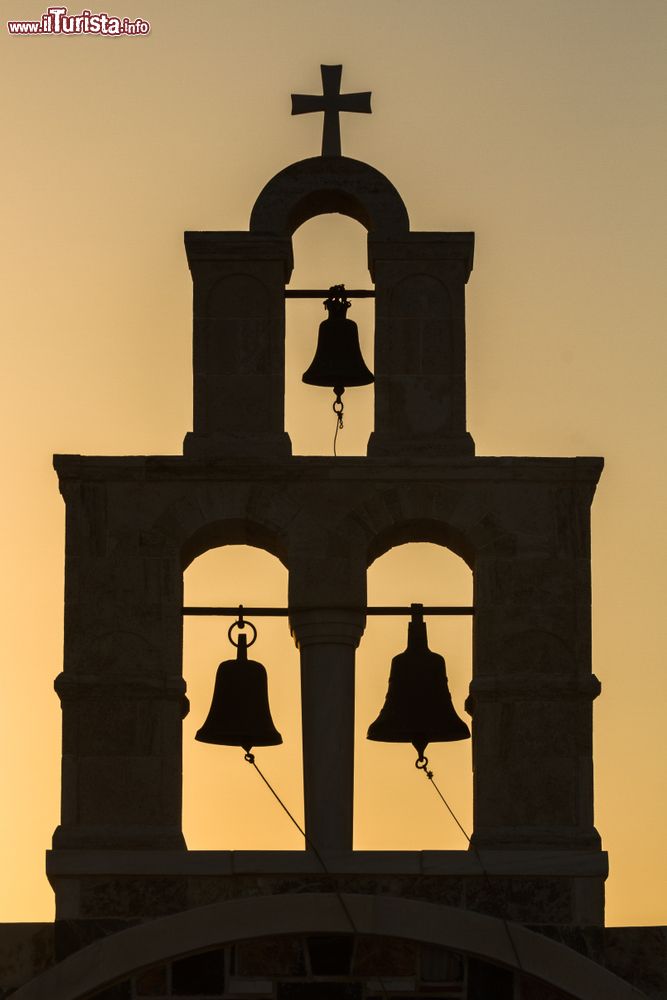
[520,914]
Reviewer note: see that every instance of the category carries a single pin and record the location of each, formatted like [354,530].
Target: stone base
[143,839]
[237,446]
[551,838]
[438,446]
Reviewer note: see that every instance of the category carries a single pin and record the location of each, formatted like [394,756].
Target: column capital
[529,686]
[443,248]
[328,625]
[71,687]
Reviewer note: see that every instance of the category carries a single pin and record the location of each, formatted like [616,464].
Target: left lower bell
[240,715]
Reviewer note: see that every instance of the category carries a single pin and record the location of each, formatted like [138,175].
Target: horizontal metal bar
[284,612]
[318,293]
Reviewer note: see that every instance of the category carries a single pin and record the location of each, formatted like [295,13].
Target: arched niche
[311,191]
[328,250]
[307,194]
[396,808]
[225,805]
[317,186]
[419,317]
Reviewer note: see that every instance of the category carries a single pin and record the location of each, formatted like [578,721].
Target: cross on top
[331,102]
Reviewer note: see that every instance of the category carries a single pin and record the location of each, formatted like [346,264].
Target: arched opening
[396,807]
[317,185]
[328,250]
[436,939]
[225,804]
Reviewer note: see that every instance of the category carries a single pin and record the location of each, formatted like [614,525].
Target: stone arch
[455,515]
[113,958]
[233,531]
[421,530]
[457,518]
[318,186]
[237,515]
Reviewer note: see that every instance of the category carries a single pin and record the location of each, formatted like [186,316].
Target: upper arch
[321,185]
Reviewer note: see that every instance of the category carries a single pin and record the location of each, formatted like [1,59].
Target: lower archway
[532,966]
[225,805]
[395,808]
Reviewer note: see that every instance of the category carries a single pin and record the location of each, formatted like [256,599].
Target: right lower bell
[418,708]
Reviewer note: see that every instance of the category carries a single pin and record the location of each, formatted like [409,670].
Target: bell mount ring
[240,623]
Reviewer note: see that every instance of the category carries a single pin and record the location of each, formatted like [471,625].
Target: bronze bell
[338,361]
[240,715]
[418,708]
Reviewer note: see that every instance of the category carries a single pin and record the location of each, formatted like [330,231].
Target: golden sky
[540,126]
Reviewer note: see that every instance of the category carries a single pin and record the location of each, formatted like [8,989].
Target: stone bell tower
[518,916]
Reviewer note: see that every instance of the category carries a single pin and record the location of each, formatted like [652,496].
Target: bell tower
[496,920]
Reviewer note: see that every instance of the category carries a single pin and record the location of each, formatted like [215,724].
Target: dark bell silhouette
[418,708]
[338,361]
[240,715]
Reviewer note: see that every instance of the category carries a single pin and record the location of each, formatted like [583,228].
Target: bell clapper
[422,765]
[338,407]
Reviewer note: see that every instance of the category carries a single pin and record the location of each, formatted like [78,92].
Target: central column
[327,641]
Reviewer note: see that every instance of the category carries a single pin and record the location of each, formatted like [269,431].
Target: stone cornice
[527,686]
[573,863]
[106,468]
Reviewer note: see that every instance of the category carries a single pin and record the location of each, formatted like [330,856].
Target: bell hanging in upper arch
[338,361]
[418,708]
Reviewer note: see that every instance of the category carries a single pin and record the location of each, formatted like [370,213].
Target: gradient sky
[540,125]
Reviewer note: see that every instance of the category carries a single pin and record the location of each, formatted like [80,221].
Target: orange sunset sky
[540,126]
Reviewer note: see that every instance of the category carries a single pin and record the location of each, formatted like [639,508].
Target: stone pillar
[327,641]
[238,344]
[420,406]
[122,691]
[532,690]
[327,578]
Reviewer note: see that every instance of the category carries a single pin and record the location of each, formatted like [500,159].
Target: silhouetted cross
[331,102]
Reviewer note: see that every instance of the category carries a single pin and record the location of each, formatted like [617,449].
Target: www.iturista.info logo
[56,21]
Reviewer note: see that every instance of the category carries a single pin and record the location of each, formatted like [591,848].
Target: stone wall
[26,950]
[134,523]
